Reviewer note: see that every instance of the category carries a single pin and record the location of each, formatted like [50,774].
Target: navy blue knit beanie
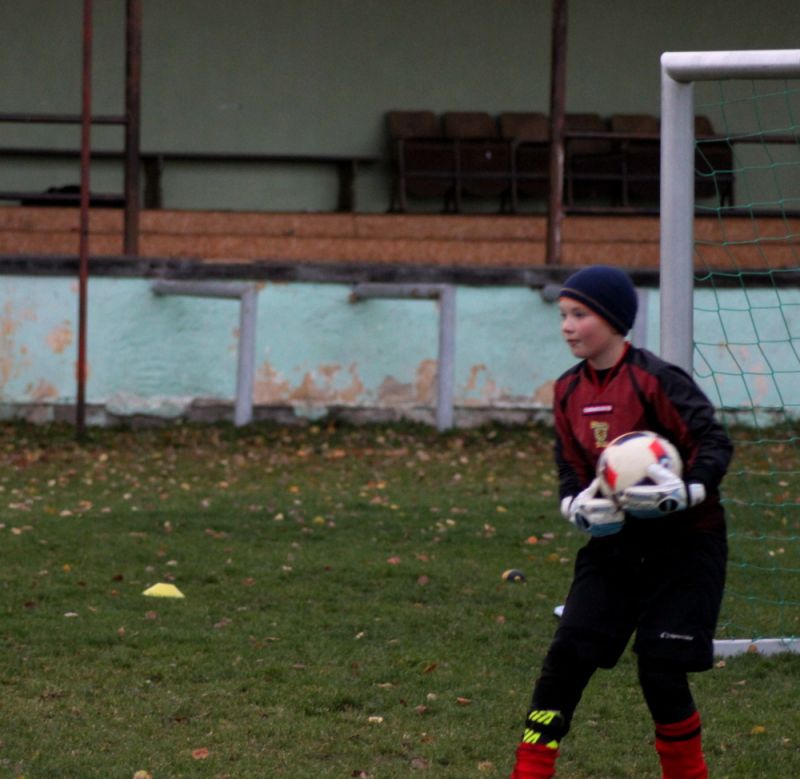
[609,292]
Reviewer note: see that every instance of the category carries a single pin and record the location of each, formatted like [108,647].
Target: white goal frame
[679,72]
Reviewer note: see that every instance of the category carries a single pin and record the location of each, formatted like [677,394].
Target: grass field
[344,612]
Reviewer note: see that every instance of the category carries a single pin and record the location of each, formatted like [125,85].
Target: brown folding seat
[593,166]
[713,163]
[529,133]
[483,157]
[423,161]
[641,156]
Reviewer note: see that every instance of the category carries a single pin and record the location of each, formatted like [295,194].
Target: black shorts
[662,582]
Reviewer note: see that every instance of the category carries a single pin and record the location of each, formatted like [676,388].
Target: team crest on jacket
[600,432]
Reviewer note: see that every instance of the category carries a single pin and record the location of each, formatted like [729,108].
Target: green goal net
[747,337]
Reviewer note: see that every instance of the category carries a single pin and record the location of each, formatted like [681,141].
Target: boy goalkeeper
[654,565]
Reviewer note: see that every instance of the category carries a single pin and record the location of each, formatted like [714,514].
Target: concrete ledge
[213,411]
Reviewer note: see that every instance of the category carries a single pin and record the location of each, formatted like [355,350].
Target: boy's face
[588,335]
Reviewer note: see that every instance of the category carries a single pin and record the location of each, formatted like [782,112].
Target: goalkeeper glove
[597,516]
[668,493]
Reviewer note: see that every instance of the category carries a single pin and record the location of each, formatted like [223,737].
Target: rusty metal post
[83,244]
[558,68]
[133,92]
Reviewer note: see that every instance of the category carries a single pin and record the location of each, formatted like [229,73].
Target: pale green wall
[314,347]
[318,75]
[150,354]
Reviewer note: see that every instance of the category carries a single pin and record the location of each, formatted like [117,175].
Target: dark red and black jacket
[641,392]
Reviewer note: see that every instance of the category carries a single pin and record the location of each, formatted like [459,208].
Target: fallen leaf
[200,754]
[395,560]
[463,701]
[758,730]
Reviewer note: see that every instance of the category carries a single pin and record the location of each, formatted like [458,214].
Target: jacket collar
[601,378]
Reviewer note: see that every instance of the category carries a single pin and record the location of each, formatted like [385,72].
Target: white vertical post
[247,294]
[677,221]
[445,294]
[639,332]
[245,375]
[446,366]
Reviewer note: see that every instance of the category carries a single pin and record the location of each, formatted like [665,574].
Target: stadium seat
[483,157]
[593,166]
[640,157]
[423,161]
[529,133]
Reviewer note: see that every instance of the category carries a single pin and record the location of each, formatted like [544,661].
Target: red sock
[680,749]
[534,761]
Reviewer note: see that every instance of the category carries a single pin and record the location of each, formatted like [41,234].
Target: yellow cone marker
[162,590]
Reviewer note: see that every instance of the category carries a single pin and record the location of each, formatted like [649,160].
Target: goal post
[747,345]
[679,72]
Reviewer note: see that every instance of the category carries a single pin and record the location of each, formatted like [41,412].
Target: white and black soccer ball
[625,460]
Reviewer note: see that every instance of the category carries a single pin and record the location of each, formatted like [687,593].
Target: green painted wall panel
[315,349]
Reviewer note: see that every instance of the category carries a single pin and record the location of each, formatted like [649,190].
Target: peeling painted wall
[315,349]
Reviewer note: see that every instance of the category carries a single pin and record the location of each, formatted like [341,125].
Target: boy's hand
[597,516]
[669,493]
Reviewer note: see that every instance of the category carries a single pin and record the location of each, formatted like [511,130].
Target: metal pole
[558,68]
[639,331]
[446,364]
[245,375]
[83,246]
[133,79]
[247,294]
[445,294]
[677,221]
[712,65]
